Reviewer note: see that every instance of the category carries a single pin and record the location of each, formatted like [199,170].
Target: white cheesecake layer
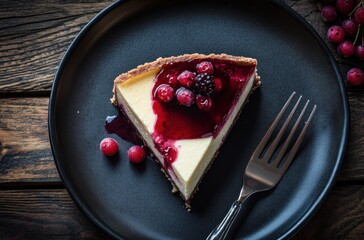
[194,155]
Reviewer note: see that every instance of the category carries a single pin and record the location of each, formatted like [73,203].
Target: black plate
[135,202]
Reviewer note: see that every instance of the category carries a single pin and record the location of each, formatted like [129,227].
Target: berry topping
[350,26]
[186,78]
[185,97]
[346,49]
[136,154]
[355,76]
[204,84]
[328,13]
[360,52]
[172,80]
[345,6]
[204,103]
[335,34]
[164,93]
[205,67]
[359,15]
[218,84]
[109,147]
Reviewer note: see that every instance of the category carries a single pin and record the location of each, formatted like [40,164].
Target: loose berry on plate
[359,15]
[350,26]
[185,96]
[346,49]
[205,67]
[360,52]
[345,6]
[336,34]
[136,154]
[204,84]
[164,93]
[355,76]
[218,84]
[109,146]
[328,13]
[204,103]
[186,78]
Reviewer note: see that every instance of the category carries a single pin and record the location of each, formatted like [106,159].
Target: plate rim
[277,3]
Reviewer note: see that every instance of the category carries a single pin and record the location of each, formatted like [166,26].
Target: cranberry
[185,97]
[350,26]
[109,146]
[359,15]
[346,49]
[204,103]
[345,6]
[136,154]
[336,34]
[218,84]
[164,93]
[328,13]
[172,81]
[205,67]
[186,78]
[360,52]
[355,76]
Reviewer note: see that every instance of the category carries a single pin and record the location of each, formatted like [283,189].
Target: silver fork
[263,173]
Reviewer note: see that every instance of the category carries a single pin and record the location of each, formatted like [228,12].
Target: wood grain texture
[34,35]
[25,154]
[43,214]
[51,214]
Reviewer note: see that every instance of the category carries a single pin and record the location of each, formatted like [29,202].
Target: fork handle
[230,223]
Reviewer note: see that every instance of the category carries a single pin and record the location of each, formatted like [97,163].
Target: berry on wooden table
[345,6]
[328,13]
[336,34]
[350,26]
[355,76]
[359,15]
[346,49]
[360,52]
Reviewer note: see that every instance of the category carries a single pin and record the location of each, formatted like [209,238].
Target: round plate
[135,201]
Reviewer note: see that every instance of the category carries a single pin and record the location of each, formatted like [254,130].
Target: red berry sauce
[121,126]
[175,122]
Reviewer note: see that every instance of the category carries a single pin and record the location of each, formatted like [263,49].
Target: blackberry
[204,84]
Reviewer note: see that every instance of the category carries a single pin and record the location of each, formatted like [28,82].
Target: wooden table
[33,201]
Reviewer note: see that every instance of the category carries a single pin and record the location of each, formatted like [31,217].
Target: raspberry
[359,15]
[328,13]
[350,26]
[355,76]
[109,146]
[205,67]
[186,78]
[185,97]
[204,103]
[164,93]
[345,6]
[360,52]
[335,34]
[346,49]
[204,84]
[136,154]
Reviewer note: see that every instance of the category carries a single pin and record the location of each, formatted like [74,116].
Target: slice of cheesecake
[183,107]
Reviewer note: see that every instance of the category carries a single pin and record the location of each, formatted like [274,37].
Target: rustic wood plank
[51,214]
[340,217]
[43,214]
[25,154]
[34,35]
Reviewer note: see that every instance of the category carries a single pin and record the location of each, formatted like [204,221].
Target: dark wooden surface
[33,201]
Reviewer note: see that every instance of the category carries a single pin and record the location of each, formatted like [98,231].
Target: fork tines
[262,145]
